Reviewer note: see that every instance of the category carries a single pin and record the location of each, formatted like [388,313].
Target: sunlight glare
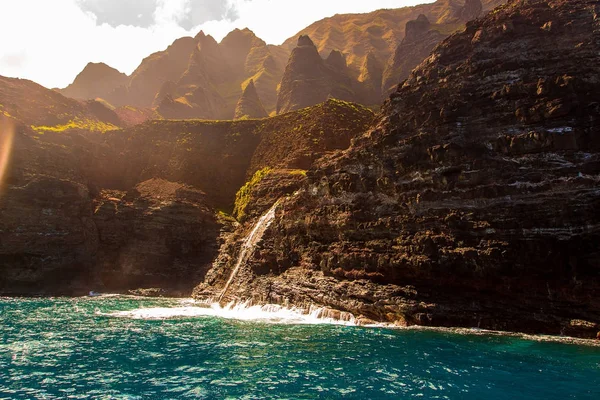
[7,133]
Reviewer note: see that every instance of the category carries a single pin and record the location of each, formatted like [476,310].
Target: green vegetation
[298,172]
[243,196]
[77,123]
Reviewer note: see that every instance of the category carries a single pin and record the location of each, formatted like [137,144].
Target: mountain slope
[473,200]
[34,105]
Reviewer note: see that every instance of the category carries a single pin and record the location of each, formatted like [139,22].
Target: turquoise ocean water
[132,348]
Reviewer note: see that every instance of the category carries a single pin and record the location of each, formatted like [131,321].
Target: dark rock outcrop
[473,201]
[249,105]
[160,234]
[47,236]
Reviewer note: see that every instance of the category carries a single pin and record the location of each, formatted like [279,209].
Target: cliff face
[218,156]
[420,39]
[87,210]
[473,201]
[159,234]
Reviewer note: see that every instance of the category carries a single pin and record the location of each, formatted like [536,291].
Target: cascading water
[249,244]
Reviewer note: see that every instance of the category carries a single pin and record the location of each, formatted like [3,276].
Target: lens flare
[7,134]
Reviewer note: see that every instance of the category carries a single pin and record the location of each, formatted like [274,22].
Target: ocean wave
[269,313]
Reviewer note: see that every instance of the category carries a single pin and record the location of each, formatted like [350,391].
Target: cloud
[146,13]
[121,12]
[50,42]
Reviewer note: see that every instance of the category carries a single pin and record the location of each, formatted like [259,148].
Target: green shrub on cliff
[243,196]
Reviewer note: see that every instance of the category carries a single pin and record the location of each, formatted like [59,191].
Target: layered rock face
[472,202]
[309,80]
[46,242]
[160,234]
[219,156]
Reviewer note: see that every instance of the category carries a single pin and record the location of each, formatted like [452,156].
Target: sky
[51,41]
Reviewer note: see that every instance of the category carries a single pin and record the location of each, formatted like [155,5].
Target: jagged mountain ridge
[200,78]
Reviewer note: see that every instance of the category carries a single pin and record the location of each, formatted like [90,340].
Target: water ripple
[117,348]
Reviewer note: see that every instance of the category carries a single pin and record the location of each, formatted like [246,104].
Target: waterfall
[250,243]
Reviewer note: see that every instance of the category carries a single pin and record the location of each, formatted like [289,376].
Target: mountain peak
[95,80]
[200,35]
[249,105]
[417,28]
[336,60]
[305,40]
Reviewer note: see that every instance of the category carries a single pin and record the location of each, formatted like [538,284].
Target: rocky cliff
[83,209]
[473,200]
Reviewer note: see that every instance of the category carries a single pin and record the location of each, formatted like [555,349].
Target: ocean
[119,347]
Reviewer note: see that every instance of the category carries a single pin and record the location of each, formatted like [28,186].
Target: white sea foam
[269,313]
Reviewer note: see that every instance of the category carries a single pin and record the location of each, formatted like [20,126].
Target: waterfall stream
[250,243]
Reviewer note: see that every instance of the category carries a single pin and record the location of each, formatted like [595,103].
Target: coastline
[326,316]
